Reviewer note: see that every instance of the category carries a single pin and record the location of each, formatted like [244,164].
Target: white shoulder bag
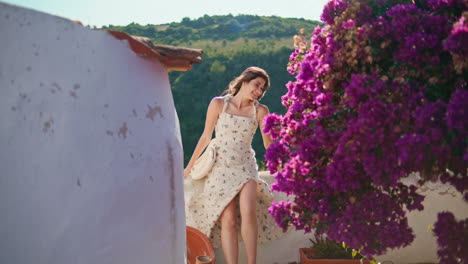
[204,163]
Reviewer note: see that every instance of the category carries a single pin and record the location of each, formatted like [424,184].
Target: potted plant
[325,251]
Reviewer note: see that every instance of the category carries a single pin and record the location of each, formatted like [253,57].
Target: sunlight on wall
[91,155]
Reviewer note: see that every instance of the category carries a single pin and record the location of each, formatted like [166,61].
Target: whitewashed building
[90,149]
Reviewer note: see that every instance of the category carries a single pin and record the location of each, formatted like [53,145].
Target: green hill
[221,28]
[230,44]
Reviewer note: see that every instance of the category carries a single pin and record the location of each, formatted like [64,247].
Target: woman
[232,193]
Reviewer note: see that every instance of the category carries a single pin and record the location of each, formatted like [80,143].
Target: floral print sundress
[235,165]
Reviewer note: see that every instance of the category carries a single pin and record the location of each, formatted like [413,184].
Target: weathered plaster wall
[90,150]
[439,197]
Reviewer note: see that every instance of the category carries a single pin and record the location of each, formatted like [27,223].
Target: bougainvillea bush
[380,93]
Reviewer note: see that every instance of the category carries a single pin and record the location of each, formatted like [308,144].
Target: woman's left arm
[262,112]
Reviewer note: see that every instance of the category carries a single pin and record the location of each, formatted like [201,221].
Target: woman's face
[254,88]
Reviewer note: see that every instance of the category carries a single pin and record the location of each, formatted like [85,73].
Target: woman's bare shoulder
[261,108]
[217,103]
[218,99]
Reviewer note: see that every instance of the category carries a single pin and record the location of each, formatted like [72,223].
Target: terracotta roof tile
[174,58]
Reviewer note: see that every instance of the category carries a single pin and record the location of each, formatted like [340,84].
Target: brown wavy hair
[246,76]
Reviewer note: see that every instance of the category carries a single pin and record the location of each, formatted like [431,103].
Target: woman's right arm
[214,110]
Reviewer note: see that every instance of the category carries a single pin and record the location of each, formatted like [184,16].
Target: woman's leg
[229,233]
[249,228]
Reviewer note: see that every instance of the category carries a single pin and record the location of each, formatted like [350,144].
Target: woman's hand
[214,110]
[186,172]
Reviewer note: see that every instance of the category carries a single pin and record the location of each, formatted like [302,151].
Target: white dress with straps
[235,165]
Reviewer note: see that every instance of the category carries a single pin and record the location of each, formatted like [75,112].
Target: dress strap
[226,100]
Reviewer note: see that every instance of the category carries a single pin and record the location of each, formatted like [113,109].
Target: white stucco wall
[90,149]
[439,197]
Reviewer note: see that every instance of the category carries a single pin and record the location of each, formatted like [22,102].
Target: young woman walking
[232,197]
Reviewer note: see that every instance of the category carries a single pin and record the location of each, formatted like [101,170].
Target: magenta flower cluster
[452,238]
[380,93]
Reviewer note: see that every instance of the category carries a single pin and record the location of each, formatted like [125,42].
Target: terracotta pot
[198,245]
[204,260]
[305,252]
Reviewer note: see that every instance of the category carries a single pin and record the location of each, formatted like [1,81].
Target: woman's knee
[248,199]
[251,184]
[229,217]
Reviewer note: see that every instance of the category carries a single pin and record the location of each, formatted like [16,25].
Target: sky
[123,12]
